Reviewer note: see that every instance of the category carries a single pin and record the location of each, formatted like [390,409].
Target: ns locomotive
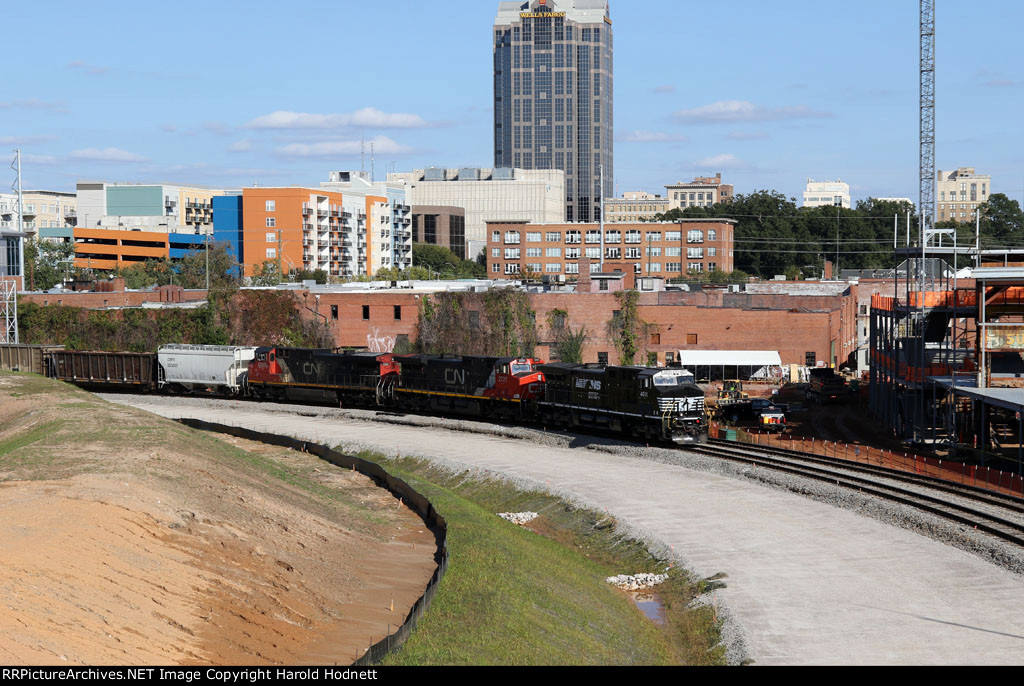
[647,404]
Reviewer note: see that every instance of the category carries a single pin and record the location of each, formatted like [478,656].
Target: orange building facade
[310,229]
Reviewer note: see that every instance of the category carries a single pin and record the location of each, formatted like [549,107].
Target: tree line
[773,236]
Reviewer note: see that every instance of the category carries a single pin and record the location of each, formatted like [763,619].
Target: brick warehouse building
[805,329]
[813,328]
[669,249]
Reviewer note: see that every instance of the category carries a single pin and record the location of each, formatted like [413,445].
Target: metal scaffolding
[8,312]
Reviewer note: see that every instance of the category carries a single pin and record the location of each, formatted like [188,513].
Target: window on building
[271,206]
[554,237]
[602,358]
[366,313]
[712,235]
[691,339]
[670,358]
[271,253]
[811,359]
[271,238]
[655,339]
[496,237]
[271,222]
[495,268]
[696,236]
[334,312]
[398,313]
[603,285]
[533,237]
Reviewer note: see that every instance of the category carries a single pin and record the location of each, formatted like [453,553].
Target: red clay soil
[158,552]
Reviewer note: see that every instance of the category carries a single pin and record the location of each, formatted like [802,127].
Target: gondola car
[499,387]
[95,370]
[651,404]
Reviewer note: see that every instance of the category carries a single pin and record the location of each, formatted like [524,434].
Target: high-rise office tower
[553,95]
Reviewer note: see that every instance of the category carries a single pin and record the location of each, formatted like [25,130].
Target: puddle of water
[651,606]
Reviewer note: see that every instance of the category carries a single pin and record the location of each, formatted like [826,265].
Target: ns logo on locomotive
[644,403]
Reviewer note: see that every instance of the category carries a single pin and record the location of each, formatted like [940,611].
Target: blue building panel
[227,225]
[181,244]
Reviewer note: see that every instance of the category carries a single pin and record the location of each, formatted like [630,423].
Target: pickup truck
[764,413]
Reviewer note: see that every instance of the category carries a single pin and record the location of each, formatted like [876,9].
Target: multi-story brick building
[670,250]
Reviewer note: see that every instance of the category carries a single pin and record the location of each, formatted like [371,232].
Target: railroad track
[986,512]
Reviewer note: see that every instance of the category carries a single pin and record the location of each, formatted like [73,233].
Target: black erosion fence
[416,501]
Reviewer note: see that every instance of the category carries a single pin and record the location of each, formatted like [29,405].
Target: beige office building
[488,195]
[703,191]
[958,194]
[634,206]
[827,194]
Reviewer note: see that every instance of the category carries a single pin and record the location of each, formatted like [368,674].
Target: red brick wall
[93,300]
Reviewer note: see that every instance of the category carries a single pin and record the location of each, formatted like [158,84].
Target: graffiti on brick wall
[377,343]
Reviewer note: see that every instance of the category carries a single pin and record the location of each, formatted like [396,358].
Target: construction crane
[930,237]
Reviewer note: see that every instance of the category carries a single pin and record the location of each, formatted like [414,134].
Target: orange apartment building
[669,249]
[309,229]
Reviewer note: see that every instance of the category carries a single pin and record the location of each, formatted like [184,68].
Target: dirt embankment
[128,539]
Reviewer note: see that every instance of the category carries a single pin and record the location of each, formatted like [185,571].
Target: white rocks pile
[637,582]
[519,518]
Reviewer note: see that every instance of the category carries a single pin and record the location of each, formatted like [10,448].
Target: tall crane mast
[930,237]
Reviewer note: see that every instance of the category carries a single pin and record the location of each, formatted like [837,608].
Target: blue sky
[769,94]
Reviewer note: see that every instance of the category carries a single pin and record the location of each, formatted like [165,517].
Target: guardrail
[400,489]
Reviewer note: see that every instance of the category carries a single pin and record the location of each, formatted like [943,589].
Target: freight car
[648,404]
[133,371]
[361,379]
[204,368]
[30,359]
[497,387]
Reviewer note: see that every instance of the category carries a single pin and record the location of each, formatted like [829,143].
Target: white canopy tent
[715,365]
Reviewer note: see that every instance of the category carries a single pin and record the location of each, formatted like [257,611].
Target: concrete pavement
[809,583]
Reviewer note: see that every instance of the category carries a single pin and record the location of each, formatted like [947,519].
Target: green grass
[513,597]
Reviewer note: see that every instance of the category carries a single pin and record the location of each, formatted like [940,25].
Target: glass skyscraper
[553,90]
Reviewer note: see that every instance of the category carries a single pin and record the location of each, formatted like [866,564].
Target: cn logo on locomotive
[455,377]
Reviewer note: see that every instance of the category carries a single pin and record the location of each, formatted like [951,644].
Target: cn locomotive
[643,403]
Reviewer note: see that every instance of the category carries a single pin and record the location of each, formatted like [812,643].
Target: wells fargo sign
[540,15]
[1004,337]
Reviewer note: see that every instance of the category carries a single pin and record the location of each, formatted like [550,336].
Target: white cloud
[652,137]
[38,159]
[368,117]
[106,155]
[382,145]
[724,161]
[728,111]
[241,146]
[25,140]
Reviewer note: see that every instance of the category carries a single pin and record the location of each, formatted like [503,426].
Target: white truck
[204,368]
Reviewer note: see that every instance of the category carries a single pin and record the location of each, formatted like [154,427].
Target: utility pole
[21,218]
[207,251]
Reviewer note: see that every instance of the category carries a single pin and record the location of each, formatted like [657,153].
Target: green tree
[48,263]
[268,274]
[568,343]
[627,331]
[191,269]
[1002,220]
